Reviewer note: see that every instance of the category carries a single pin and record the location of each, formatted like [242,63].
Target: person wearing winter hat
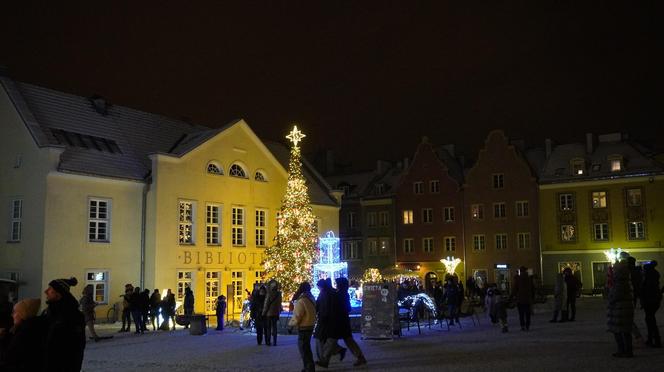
[65,328]
[21,346]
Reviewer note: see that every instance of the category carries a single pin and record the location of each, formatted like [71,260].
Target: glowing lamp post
[450,263]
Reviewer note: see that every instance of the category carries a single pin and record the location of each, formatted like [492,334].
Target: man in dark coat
[620,308]
[651,298]
[524,293]
[155,300]
[256,311]
[346,334]
[573,287]
[145,308]
[65,328]
[21,346]
[188,305]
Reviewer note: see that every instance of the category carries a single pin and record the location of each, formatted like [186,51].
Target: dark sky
[366,81]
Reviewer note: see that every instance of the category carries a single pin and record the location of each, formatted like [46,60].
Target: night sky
[366,81]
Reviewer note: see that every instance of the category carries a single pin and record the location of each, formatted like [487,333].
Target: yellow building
[112,195]
[594,197]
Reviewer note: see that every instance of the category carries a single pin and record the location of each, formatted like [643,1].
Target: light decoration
[450,264]
[290,260]
[415,301]
[613,255]
[372,275]
[329,264]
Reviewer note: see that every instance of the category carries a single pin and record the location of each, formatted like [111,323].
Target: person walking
[271,311]
[88,305]
[620,307]
[135,308]
[451,298]
[304,317]
[256,312]
[327,330]
[21,346]
[573,291]
[126,311]
[155,299]
[344,321]
[559,299]
[524,292]
[64,342]
[651,298]
[188,305]
[145,308]
[220,311]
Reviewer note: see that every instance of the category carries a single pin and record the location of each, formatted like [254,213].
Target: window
[596,167]
[418,187]
[237,171]
[448,214]
[214,168]
[578,167]
[522,209]
[568,233]
[99,281]
[478,243]
[616,165]
[427,245]
[450,243]
[379,189]
[427,215]
[501,242]
[15,218]
[351,250]
[498,181]
[261,227]
[184,281]
[601,231]
[523,240]
[237,283]
[384,218]
[373,247]
[408,246]
[371,219]
[477,211]
[384,246]
[633,197]
[408,217]
[212,290]
[599,199]
[566,202]
[237,226]
[351,220]
[498,210]
[636,230]
[260,176]
[99,222]
[213,224]
[186,218]
[434,186]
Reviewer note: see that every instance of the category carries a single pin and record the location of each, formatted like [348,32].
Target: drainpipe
[146,189]
[463,232]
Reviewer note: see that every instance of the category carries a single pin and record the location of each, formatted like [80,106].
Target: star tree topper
[295,136]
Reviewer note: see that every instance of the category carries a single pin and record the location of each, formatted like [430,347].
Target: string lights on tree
[290,260]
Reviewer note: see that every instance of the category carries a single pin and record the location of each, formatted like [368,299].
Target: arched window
[214,168]
[237,171]
[260,176]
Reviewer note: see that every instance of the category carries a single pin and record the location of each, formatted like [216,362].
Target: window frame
[450,243]
[602,195]
[500,244]
[261,223]
[604,232]
[427,215]
[642,230]
[371,219]
[233,171]
[566,204]
[383,218]
[628,198]
[523,240]
[522,208]
[210,225]
[449,214]
[498,181]
[217,165]
[575,233]
[238,230]
[434,186]
[98,220]
[408,217]
[418,187]
[410,246]
[183,223]
[502,209]
[427,245]
[15,220]
[480,212]
[479,243]
[105,282]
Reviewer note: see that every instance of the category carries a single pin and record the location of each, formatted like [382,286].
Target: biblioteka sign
[220,258]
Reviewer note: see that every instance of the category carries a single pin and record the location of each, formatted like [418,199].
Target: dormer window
[260,176]
[236,170]
[379,188]
[578,167]
[615,162]
[215,168]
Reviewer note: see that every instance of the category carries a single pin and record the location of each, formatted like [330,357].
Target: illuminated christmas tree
[290,260]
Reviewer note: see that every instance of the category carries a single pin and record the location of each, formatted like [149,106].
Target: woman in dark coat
[188,305]
[344,322]
[620,308]
[651,297]
[271,311]
[256,312]
[21,347]
[524,293]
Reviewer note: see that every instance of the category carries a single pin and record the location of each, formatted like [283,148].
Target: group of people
[145,308]
[51,341]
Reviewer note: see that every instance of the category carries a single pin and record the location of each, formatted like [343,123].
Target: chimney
[589,143]
[99,104]
[329,161]
[548,147]
[449,148]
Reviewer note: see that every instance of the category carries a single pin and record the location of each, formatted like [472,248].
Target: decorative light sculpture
[372,275]
[613,255]
[329,263]
[450,263]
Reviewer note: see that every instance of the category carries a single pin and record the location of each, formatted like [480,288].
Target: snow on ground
[583,345]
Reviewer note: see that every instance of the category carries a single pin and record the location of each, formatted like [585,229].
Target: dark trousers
[651,322]
[136,314]
[524,315]
[624,342]
[144,320]
[571,306]
[258,323]
[354,347]
[220,321]
[153,316]
[304,346]
[270,326]
[126,319]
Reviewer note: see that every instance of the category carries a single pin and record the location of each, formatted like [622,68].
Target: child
[221,312]
[497,306]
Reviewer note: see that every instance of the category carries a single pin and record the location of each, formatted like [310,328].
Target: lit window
[501,242]
[214,168]
[479,243]
[568,233]
[601,231]
[523,240]
[99,220]
[599,199]
[499,210]
[408,246]
[522,209]
[636,230]
[418,187]
[498,181]
[213,224]
[260,176]
[237,171]
[408,217]
[99,281]
[15,218]
[578,167]
[187,209]
[184,281]
[384,246]
[477,211]
[237,226]
[448,214]
[434,186]
[450,243]
[633,197]
[261,227]
[566,202]
[427,215]
[616,165]
[427,245]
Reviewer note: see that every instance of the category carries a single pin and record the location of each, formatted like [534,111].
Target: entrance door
[237,281]
[503,279]
[600,270]
[430,281]
[212,285]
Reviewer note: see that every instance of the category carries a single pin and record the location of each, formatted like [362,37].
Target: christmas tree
[290,260]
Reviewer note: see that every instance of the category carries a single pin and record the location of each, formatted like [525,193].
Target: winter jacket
[560,293]
[155,299]
[323,314]
[620,308]
[65,335]
[304,314]
[256,307]
[573,286]
[272,305]
[651,296]
[189,303]
[220,309]
[21,349]
[88,305]
[523,289]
